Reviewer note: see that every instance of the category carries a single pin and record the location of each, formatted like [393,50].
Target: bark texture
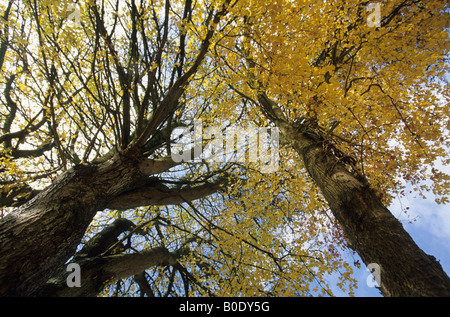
[38,238]
[370,227]
[97,271]
[101,261]
[374,232]
[41,235]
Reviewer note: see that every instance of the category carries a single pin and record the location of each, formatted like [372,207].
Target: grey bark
[41,235]
[372,230]
[98,271]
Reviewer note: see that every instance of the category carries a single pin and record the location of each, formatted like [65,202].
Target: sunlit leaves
[385,85]
[378,94]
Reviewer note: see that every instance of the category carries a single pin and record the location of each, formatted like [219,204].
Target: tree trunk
[373,232]
[40,236]
[96,272]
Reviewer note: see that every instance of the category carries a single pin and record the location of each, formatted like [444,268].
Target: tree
[363,101]
[92,95]
[95,119]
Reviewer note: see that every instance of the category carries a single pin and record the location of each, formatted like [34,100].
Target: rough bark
[38,238]
[374,232]
[161,196]
[105,240]
[98,271]
[376,235]
[101,262]
[42,234]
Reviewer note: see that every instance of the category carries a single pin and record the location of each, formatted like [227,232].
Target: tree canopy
[93,93]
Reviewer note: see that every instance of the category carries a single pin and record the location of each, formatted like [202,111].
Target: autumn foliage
[84,83]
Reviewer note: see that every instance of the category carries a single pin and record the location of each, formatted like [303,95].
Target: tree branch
[155,166]
[162,195]
[98,271]
[141,280]
[170,100]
